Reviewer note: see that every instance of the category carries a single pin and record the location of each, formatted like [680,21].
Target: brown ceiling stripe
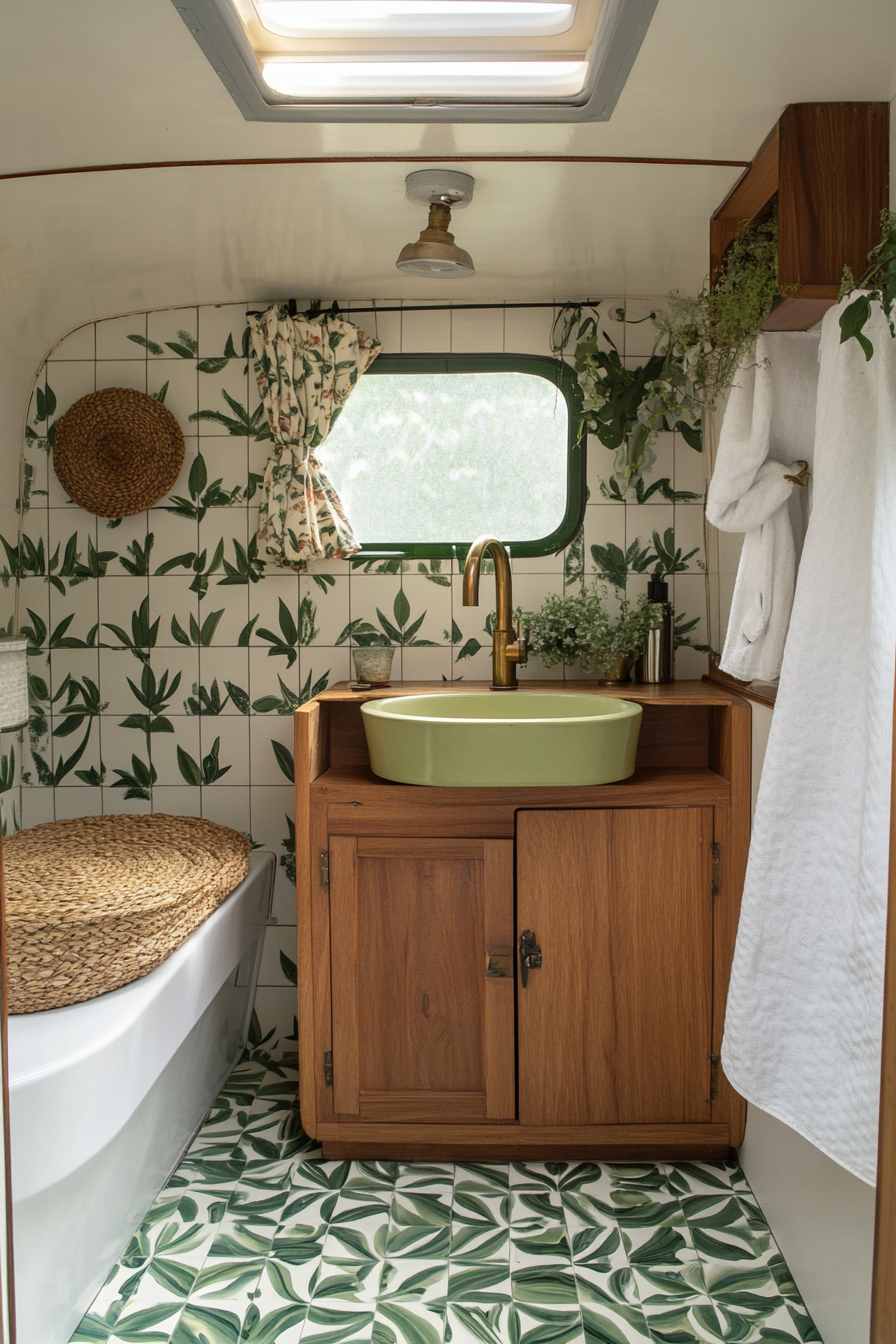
[375,158]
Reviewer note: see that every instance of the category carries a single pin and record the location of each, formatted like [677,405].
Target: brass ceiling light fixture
[435,252]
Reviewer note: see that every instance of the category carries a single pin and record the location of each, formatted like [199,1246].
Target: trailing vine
[626,408]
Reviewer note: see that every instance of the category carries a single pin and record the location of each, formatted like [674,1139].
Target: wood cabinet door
[423,1018]
[615,1025]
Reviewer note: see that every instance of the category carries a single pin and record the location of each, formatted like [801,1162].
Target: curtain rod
[426,307]
[375,158]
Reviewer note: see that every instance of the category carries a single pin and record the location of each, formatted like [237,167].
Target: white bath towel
[803,1025]
[769,424]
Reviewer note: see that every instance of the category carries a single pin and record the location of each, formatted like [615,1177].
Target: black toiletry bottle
[655,663]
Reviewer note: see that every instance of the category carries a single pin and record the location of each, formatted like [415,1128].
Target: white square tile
[642,520]
[229,668]
[121,373]
[169,749]
[227,806]
[276,1008]
[429,601]
[478,332]
[78,344]
[270,679]
[177,801]
[231,733]
[386,327]
[264,730]
[173,535]
[426,664]
[177,378]
[321,667]
[425,332]
[116,804]
[233,600]
[82,801]
[217,323]
[112,338]
[226,462]
[370,593]
[330,607]
[689,467]
[178,325]
[527,331]
[689,532]
[176,608]
[216,414]
[605,529]
[182,668]
[116,667]
[664,466]
[38,806]
[119,599]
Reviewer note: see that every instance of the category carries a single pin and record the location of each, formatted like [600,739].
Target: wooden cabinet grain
[615,1027]
[420,1030]
[417,1038]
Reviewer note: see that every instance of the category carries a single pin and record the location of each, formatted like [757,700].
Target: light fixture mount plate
[440,184]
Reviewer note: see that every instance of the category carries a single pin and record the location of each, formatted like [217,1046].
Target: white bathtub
[105,1097]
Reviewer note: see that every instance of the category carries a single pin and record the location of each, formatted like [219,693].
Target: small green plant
[578,629]
[880,282]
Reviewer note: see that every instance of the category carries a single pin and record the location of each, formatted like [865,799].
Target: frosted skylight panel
[420,60]
[414,18]
[426,79]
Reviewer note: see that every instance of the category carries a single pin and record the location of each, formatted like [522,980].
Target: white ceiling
[111,81]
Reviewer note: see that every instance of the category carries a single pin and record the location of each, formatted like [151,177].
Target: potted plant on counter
[578,630]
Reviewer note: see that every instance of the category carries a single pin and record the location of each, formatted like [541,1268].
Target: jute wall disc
[117,452]
[94,903]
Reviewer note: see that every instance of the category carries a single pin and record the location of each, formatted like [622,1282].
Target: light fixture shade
[13,684]
[435,252]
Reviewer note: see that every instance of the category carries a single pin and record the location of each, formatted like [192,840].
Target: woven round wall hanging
[117,452]
[94,903]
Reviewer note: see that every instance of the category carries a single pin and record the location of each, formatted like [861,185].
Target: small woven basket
[117,452]
[94,903]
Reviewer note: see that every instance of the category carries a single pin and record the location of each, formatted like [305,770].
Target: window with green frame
[431,451]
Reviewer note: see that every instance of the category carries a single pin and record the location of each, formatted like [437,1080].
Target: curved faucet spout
[507,650]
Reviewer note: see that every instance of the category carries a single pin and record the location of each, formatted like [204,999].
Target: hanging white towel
[769,424]
[803,1026]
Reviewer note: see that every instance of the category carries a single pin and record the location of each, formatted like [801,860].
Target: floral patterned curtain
[306,368]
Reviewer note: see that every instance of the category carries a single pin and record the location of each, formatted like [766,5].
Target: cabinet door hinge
[716,851]
[328,1068]
[325,869]
[715,1063]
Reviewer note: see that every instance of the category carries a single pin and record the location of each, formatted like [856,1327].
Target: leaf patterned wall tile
[222,330]
[177,756]
[113,337]
[224,750]
[327,595]
[223,682]
[171,332]
[174,383]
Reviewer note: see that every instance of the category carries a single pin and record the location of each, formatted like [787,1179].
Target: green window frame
[560,376]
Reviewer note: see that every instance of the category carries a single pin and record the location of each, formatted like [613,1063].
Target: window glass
[425,458]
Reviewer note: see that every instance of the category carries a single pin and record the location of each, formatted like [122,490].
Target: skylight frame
[436,23]
[217,29]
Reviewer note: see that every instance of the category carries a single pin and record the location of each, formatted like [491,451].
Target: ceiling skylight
[426,79]
[421,60]
[413,18]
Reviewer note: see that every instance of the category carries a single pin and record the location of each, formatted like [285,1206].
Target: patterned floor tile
[257,1239]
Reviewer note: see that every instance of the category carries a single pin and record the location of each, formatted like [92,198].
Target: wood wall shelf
[828,164]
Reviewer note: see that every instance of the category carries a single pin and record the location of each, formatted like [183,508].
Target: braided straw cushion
[94,903]
[117,452]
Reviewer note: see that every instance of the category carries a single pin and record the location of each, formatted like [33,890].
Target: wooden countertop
[675,693]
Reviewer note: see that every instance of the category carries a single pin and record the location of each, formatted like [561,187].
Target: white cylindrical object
[13,684]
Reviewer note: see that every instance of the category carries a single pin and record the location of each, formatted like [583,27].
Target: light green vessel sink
[486,739]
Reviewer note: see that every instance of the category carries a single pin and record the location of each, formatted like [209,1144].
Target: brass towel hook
[804,474]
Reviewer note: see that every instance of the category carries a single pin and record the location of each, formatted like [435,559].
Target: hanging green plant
[714,332]
[879,281]
[626,408]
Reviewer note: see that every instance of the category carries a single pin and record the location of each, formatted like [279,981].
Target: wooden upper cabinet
[615,1025]
[423,1019]
[828,164]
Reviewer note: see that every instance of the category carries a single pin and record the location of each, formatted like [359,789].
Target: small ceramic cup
[374,665]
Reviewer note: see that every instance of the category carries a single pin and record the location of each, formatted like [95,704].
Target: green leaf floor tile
[257,1239]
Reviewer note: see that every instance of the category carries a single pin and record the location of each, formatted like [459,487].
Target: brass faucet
[507,649]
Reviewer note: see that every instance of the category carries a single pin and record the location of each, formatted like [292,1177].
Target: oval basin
[488,739]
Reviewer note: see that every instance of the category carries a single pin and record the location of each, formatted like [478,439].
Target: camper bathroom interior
[447,653]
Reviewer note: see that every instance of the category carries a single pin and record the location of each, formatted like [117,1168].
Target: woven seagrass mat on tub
[94,903]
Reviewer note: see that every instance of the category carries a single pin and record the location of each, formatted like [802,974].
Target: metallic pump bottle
[655,663]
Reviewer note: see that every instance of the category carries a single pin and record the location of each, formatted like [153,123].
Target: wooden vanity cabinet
[420,1033]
